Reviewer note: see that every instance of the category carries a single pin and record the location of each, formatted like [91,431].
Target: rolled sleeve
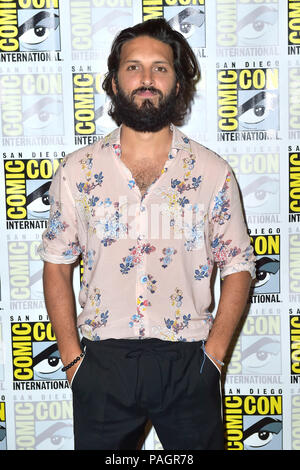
[60,243]
[230,245]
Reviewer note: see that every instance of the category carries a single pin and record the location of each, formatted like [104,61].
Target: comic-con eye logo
[246,24]
[258,349]
[48,424]
[185,16]
[29,25]
[261,346]
[258,177]
[95,23]
[267,251]
[90,106]
[248,99]
[31,105]
[189,21]
[35,354]
[253,422]
[27,184]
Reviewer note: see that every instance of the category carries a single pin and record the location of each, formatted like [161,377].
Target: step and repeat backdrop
[52,62]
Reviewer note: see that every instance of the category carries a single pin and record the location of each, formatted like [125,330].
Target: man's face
[146,62]
[145,89]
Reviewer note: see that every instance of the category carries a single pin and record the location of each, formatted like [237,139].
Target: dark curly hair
[185,63]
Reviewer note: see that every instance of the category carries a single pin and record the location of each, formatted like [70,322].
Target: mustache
[146,88]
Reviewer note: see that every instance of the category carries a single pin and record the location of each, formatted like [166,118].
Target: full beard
[147,117]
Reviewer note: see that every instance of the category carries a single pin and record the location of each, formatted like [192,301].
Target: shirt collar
[179,140]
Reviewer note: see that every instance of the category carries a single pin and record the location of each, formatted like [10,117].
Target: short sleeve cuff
[51,258]
[237,268]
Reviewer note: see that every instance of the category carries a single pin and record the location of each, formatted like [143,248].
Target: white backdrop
[52,62]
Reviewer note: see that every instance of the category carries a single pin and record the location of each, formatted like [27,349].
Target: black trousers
[121,384]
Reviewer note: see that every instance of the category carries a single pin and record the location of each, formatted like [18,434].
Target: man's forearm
[233,299]
[60,304]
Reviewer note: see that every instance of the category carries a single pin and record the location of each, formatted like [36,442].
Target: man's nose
[147,77]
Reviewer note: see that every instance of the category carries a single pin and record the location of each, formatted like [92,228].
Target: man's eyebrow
[154,62]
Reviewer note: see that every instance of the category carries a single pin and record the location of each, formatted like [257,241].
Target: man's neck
[138,145]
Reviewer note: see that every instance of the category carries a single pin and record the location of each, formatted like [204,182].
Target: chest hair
[144,173]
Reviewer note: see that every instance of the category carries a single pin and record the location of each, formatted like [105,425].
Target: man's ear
[114,85]
[177,88]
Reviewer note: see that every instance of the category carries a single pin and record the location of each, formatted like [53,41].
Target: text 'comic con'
[53,60]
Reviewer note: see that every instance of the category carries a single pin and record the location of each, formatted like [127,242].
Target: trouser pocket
[206,358]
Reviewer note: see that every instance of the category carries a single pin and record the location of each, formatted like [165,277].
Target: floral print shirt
[147,260]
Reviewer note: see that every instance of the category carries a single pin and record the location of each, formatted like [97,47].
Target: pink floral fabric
[147,260]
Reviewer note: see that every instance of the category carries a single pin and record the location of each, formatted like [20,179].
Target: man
[150,212]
